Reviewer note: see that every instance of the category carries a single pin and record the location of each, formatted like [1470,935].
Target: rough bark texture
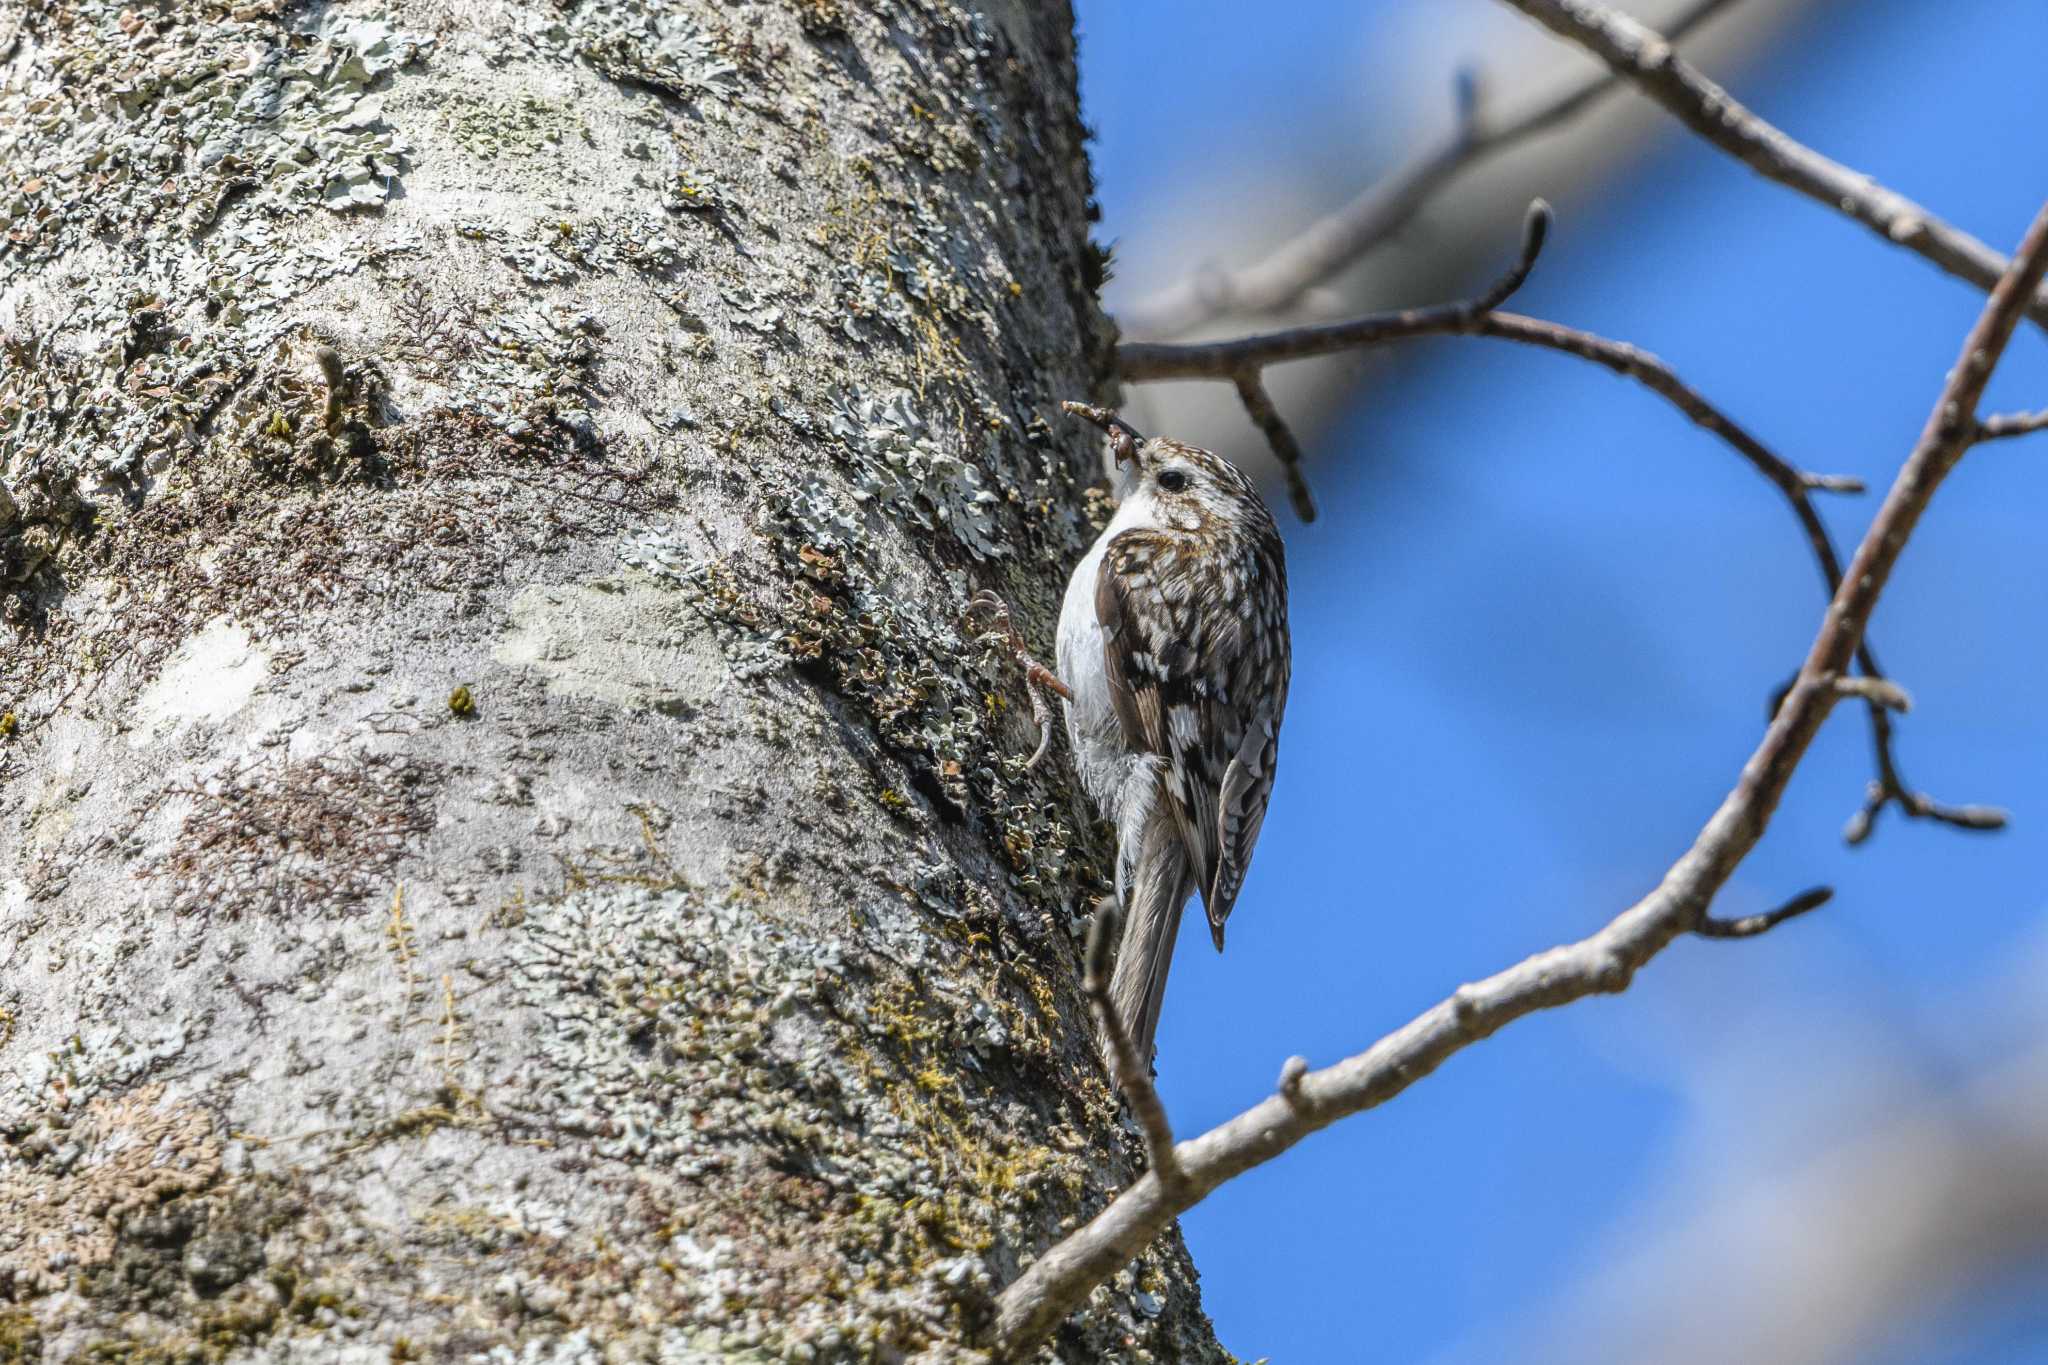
[505,852]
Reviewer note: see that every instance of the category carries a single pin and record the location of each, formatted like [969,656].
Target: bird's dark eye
[1174,481]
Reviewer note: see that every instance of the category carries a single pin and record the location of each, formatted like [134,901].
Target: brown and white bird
[1173,647]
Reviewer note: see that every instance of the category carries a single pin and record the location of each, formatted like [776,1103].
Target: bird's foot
[1038,679]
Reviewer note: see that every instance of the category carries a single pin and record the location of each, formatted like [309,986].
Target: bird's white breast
[1100,755]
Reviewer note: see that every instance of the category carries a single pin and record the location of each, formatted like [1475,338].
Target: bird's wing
[1169,695]
[1241,811]
[1198,665]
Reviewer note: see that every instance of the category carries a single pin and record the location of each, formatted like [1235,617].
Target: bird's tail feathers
[1152,906]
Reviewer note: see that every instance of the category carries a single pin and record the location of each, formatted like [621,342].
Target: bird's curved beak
[1123,437]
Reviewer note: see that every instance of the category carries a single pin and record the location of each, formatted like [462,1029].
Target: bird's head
[1185,487]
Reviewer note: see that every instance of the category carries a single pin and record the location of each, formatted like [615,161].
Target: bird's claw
[987,601]
[1038,679]
[1040,717]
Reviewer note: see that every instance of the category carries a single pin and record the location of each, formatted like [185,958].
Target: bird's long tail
[1154,897]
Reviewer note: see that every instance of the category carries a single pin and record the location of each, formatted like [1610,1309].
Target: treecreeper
[1172,666]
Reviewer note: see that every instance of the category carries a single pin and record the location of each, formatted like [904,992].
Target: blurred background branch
[1420,230]
[1337,241]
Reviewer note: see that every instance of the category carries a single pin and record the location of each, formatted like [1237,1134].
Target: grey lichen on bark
[506,852]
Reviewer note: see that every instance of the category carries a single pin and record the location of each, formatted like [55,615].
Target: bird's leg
[1038,679]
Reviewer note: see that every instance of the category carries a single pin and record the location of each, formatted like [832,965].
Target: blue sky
[1534,636]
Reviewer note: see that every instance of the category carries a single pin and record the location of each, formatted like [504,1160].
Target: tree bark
[506,851]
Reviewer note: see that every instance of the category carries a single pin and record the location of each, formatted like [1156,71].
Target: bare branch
[1336,241]
[2010,424]
[1638,54]
[1889,787]
[1129,1070]
[1142,362]
[1605,962]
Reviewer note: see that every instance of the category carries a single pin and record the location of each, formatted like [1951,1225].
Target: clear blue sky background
[1534,636]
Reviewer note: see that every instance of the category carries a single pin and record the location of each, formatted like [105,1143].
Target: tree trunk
[506,851]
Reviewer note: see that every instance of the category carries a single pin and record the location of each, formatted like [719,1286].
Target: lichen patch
[69,1185]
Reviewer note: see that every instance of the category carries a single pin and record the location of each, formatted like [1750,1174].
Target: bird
[1172,665]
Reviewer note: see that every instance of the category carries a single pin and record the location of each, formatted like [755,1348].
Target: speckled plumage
[1173,640]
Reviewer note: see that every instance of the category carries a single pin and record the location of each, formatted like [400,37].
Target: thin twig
[2009,424]
[1749,926]
[1335,242]
[1146,362]
[1123,437]
[1641,56]
[1882,691]
[1889,787]
[1051,1287]
[1132,1076]
[1251,390]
